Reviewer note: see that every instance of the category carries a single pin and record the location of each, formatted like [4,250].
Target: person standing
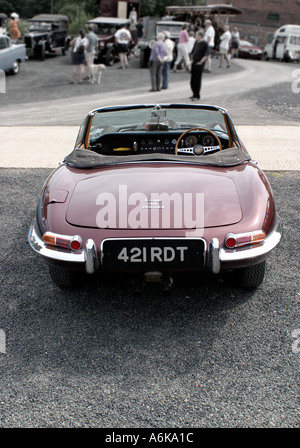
[199,56]
[133,22]
[209,37]
[170,44]
[13,27]
[79,45]
[140,30]
[158,55]
[92,40]
[122,39]
[191,43]
[225,39]
[182,52]
[235,42]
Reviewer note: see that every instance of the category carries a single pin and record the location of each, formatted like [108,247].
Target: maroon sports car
[151,190]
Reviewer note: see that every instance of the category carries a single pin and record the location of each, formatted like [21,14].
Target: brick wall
[260,18]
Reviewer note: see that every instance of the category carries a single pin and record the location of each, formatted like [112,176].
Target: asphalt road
[253,92]
[209,355]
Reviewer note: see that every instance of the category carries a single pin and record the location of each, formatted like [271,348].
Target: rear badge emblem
[153,203]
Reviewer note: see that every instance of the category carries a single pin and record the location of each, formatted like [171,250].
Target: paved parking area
[274,147]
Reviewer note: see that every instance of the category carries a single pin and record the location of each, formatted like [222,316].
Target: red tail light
[233,241]
[73,242]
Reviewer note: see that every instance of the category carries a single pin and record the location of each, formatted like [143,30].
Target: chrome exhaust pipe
[152,277]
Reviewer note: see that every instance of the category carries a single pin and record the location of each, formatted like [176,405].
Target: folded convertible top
[85,158]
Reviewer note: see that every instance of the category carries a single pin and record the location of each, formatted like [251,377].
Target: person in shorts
[122,40]
[209,37]
[79,45]
[225,39]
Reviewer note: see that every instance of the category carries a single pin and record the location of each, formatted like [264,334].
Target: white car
[11,55]
[284,44]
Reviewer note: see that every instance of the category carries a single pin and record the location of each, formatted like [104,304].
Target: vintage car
[47,34]
[249,51]
[173,27]
[155,190]
[105,29]
[11,55]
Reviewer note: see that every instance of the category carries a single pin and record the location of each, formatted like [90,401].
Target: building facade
[260,18]
[118,8]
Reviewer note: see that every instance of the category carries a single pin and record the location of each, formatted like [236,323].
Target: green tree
[78,12]
[29,8]
[158,7]
[7,7]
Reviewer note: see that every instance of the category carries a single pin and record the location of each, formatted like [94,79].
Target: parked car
[11,55]
[284,45]
[173,27]
[153,190]
[47,34]
[105,29]
[249,51]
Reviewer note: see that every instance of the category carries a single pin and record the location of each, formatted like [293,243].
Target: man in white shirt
[122,39]
[209,37]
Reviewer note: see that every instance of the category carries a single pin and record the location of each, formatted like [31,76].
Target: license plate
[153,254]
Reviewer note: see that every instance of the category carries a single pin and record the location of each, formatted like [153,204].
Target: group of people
[84,51]
[161,58]
[228,43]
[195,50]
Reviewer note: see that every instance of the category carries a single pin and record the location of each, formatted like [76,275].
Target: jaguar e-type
[155,190]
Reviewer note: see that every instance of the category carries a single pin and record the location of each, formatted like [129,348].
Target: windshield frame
[82,140]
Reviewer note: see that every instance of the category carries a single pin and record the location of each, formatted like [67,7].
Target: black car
[105,29]
[48,33]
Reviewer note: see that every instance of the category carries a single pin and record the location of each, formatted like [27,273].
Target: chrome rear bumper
[87,256]
[220,258]
[217,258]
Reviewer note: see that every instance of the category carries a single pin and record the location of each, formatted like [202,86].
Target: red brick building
[260,18]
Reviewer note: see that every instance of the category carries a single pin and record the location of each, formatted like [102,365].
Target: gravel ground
[51,77]
[210,355]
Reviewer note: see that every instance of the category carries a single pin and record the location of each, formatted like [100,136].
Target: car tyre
[41,52]
[110,57]
[143,62]
[251,276]
[63,278]
[16,68]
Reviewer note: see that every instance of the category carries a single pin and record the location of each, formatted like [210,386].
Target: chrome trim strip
[91,265]
[213,260]
[243,253]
